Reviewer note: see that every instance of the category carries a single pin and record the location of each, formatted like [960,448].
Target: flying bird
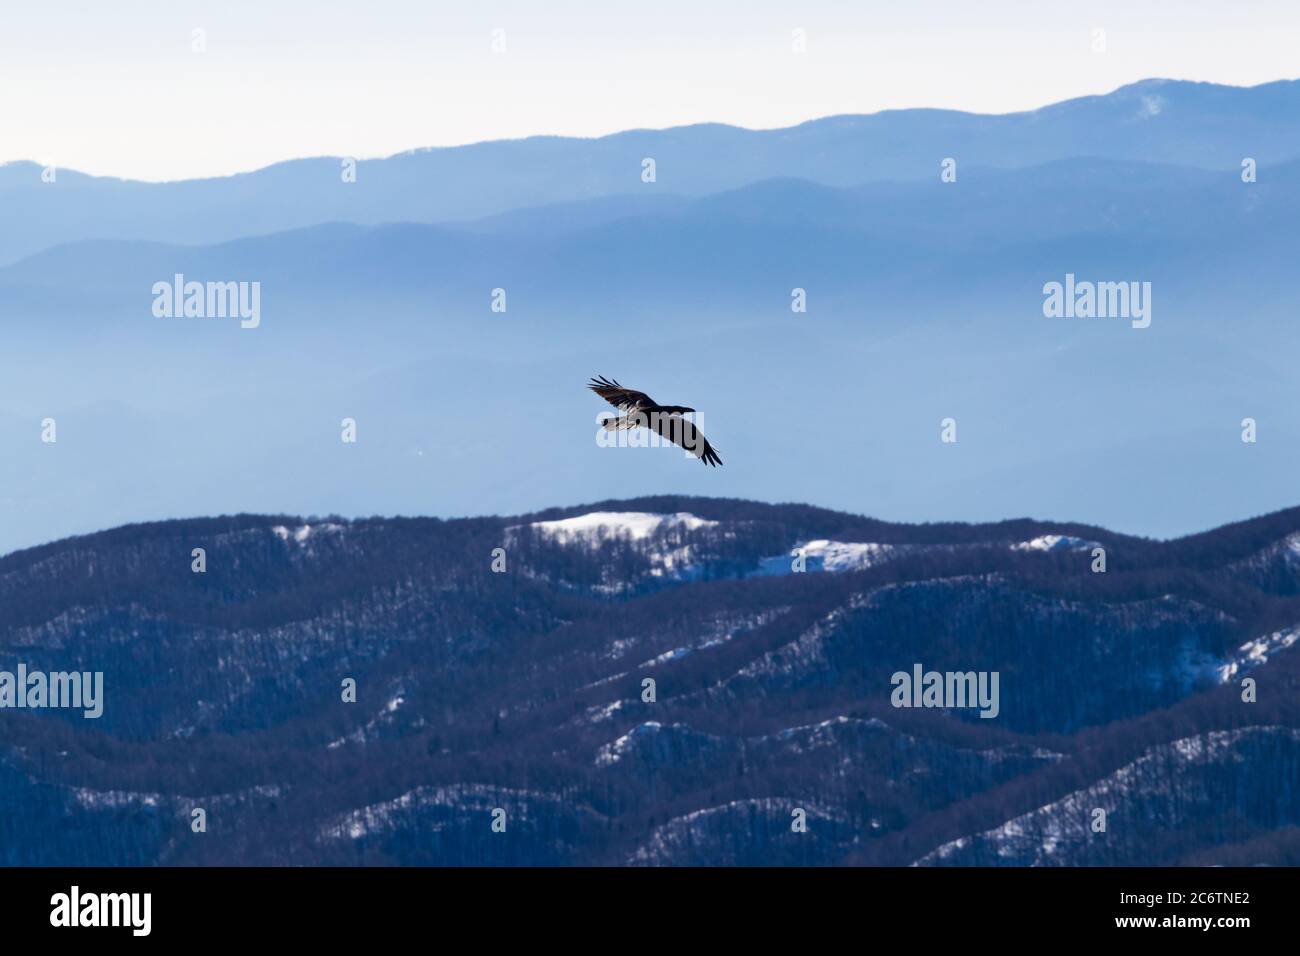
[641,411]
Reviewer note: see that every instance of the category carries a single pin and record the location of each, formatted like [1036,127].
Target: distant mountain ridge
[1170,121]
[925,300]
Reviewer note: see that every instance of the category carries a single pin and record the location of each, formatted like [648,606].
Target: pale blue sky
[114,88]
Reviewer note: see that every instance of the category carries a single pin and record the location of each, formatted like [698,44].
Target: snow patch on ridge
[303,532]
[826,555]
[628,525]
[678,562]
[1055,542]
[1256,652]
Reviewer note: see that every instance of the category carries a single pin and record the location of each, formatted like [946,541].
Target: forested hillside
[501,664]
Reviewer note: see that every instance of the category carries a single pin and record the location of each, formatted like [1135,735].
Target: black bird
[641,411]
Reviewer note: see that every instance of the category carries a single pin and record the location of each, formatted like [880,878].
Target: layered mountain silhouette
[1165,121]
[523,689]
[924,302]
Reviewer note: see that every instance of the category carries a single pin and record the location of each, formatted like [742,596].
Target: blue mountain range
[924,303]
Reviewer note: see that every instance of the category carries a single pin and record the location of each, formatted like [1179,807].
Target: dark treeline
[521,689]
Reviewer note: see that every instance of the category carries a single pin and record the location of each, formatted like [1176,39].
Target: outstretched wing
[617,395]
[682,431]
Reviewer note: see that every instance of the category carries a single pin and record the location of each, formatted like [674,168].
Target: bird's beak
[691,410]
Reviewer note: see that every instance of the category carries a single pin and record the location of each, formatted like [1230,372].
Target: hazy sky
[116,88]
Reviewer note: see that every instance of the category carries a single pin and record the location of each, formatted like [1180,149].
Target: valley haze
[924,303]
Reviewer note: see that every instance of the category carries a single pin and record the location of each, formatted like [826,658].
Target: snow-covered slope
[1163,790]
[1055,542]
[826,555]
[629,525]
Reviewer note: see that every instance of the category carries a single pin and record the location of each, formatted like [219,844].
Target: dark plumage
[641,411]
